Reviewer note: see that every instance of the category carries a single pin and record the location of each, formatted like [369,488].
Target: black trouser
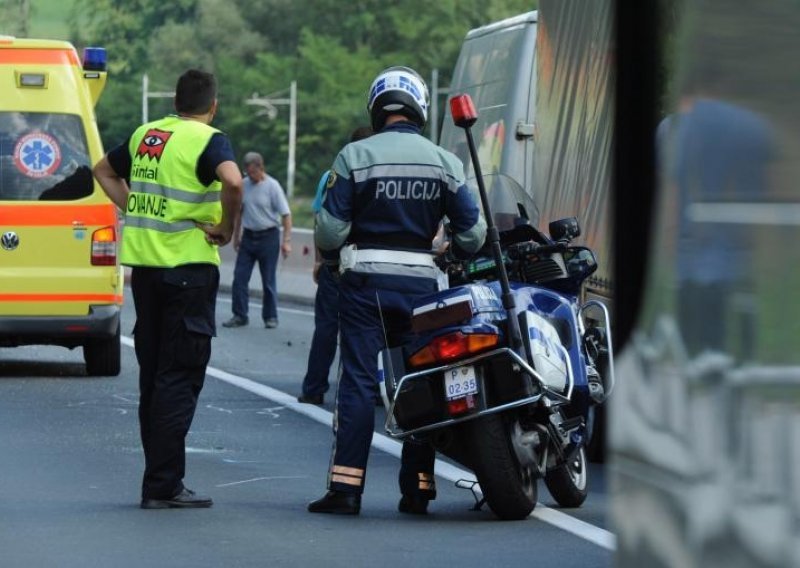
[174,325]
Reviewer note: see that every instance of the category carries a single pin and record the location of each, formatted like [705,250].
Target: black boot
[413,505]
[337,503]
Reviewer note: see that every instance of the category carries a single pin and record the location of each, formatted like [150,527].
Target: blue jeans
[326,334]
[263,247]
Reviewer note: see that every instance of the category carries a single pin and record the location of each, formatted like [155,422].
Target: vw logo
[9,240]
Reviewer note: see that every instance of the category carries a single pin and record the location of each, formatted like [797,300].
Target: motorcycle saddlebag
[421,401]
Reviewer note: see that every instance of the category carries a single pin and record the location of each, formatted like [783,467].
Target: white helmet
[398,90]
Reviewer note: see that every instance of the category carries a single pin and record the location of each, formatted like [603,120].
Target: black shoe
[186,499]
[235,321]
[413,505]
[337,503]
[317,399]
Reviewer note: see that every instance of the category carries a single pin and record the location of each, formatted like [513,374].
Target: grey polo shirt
[264,204]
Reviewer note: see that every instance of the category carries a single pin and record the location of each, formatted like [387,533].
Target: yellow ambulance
[60,277]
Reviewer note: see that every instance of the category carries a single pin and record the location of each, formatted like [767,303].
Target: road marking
[582,529]
[190,450]
[263,478]
[280,309]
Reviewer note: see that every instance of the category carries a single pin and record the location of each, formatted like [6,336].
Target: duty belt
[383,261]
[405,258]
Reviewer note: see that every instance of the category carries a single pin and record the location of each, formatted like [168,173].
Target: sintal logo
[9,240]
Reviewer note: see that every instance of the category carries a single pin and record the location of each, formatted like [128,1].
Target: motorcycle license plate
[460,382]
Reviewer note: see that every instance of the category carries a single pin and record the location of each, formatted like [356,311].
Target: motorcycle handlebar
[519,250]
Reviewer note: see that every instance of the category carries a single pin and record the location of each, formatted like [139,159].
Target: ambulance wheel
[103,356]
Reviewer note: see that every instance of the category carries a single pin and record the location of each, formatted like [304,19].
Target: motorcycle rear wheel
[509,488]
[569,483]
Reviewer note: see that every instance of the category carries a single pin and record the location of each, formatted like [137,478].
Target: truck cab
[60,278]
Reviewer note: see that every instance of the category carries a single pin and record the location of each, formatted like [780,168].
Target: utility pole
[25,7]
[147,95]
[435,92]
[268,109]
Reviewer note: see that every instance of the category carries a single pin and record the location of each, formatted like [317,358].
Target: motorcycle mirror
[565,229]
[581,262]
[463,111]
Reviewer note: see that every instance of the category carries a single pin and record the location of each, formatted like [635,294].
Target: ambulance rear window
[43,156]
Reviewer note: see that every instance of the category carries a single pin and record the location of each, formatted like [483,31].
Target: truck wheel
[568,483]
[510,488]
[103,356]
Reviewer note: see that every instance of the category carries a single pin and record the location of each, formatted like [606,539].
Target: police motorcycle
[506,364]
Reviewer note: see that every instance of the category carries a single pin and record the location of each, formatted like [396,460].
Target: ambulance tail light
[104,247]
[452,347]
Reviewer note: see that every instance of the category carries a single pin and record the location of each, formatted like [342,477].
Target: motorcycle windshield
[510,205]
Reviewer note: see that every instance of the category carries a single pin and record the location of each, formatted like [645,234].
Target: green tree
[15,17]
[332,49]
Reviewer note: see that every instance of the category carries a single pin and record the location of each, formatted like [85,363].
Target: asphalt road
[70,467]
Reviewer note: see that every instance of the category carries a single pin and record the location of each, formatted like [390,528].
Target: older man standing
[258,239]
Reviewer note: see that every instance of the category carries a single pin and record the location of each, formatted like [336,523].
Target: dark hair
[360,133]
[195,92]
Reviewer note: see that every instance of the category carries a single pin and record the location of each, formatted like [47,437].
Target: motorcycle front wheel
[509,488]
[568,483]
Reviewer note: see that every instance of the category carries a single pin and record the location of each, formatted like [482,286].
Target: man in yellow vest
[180,188]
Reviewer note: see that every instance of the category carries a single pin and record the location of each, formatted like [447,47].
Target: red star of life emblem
[153,143]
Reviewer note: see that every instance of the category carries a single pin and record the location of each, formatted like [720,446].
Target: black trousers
[174,326]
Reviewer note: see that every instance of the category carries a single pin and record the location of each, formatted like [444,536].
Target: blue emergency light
[94,59]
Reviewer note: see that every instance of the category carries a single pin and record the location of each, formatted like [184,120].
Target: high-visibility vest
[166,199]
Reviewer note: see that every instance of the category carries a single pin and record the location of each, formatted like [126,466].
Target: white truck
[542,83]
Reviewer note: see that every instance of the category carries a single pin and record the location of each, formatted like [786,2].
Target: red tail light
[451,347]
[462,405]
[104,247]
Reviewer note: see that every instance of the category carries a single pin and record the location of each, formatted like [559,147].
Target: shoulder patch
[331,179]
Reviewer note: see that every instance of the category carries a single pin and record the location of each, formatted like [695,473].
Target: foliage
[332,50]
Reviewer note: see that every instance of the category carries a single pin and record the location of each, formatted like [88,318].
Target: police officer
[181,201]
[386,196]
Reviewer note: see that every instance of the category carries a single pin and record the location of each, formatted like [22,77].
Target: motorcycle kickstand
[468,484]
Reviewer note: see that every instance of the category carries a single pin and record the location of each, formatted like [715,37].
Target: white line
[302,231]
[263,478]
[280,309]
[589,532]
[586,531]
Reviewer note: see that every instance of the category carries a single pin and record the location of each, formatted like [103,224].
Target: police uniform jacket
[391,190]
